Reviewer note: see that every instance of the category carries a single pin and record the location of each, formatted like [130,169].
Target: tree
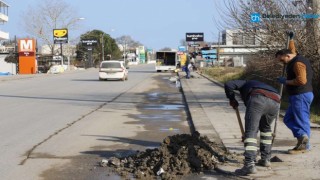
[49,15]
[127,42]
[183,42]
[11,58]
[110,46]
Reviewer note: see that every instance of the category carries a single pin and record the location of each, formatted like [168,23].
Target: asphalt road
[61,126]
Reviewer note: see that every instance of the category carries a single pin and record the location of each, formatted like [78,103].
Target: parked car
[113,70]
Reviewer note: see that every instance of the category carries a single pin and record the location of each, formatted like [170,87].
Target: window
[111,65]
[249,40]
[237,38]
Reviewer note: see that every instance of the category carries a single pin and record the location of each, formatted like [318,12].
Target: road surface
[61,126]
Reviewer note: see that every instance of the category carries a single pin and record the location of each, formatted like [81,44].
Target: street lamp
[74,20]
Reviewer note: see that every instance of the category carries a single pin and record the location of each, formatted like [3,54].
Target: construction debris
[177,156]
[104,163]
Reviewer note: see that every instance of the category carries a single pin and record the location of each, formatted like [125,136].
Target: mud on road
[179,155]
[161,113]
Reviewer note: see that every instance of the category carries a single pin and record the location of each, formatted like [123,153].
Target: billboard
[194,36]
[60,36]
[27,56]
[142,54]
[89,42]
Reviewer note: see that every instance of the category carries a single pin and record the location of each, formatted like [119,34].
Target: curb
[189,116]
[199,121]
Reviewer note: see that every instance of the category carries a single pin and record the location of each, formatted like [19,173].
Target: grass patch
[224,74]
[315,113]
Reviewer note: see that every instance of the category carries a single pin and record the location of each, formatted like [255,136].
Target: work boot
[245,170]
[264,163]
[301,146]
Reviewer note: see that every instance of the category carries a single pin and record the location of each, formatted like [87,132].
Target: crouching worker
[262,105]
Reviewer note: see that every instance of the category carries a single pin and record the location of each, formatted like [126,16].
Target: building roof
[3,4]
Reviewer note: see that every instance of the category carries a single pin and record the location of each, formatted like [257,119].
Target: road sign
[194,36]
[60,36]
[194,45]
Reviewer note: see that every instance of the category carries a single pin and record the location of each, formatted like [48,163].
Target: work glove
[291,35]
[282,80]
[234,103]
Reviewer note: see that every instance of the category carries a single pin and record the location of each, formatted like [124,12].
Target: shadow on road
[86,80]
[151,144]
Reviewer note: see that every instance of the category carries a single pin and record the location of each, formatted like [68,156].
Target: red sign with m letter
[27,58]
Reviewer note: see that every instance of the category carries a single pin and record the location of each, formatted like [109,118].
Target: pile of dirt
[177,156]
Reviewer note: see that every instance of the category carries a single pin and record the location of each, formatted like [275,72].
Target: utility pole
[61,54]
[218,52]
[102,46]
[124,49]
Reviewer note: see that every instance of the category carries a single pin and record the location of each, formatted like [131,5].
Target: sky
[154,23]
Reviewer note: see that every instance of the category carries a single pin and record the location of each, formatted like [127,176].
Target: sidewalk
[212,116]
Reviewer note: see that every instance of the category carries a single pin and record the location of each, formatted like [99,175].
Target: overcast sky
[155,23]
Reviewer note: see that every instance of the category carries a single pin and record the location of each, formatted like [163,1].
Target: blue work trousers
[297,117]
[186,69]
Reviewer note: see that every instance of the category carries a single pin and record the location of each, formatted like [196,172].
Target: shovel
[274,134]
[240,123]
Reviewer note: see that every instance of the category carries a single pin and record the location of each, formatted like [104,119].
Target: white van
[113,70]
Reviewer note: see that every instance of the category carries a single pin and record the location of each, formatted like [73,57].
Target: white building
[4,51]
[3,19]
[237,46]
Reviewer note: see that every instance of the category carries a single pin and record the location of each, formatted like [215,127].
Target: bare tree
[183,42]
[49,15]
[127,42]
[165,49]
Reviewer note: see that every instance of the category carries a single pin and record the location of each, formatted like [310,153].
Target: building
[45,58]
[4,36]
[237,46]
[3,19]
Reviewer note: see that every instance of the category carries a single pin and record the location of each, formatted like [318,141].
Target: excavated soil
[177,156]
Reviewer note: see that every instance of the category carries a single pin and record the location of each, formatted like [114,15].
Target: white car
[113,70]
